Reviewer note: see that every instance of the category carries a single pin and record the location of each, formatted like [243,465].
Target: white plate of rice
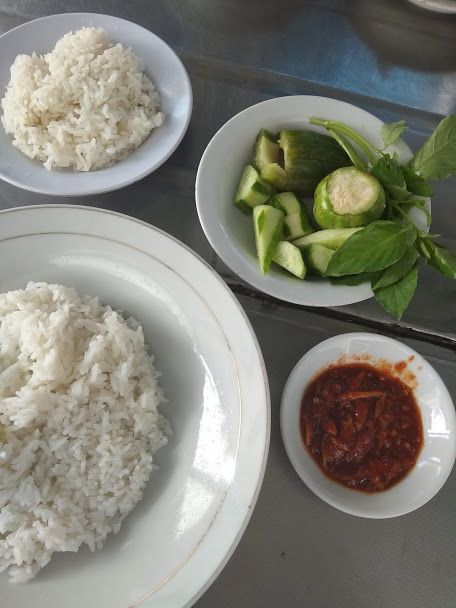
[88,103]
[197,502]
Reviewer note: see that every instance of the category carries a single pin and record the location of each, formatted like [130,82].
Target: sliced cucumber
[266,150]
[317,258]
[297,224]
[286,201]
[289,257]
[253,190]
[267,225]
[275,175]
[297,221]
[347,198]
[333,238]
[308,157]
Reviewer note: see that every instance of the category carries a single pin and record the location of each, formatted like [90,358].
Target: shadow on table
[238,16]
[402,34]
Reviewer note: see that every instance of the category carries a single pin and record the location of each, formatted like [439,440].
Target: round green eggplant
[348,198]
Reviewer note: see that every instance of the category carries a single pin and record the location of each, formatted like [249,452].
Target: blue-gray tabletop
[396,61]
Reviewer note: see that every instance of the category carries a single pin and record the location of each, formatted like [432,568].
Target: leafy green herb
[392,131]
[415,183]
[436,159]
[419,203]
[373,248]
[353,279]
[349,149]
[396,271]
[346,132]
[424,246]
[388,172]
[383,252]
[437,256]
[396,297]
[444,261]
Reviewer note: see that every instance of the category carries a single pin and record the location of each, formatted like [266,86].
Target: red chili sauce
[362,426]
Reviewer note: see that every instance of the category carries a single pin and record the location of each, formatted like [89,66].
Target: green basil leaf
[398,193]
[388,172]
[349,150]
[436,158]
[396,297]
[398,270]
[390,132]
[437,256]
[353,279]
[444,261]
[419,203]
[424,246]
[373,248]
[415,183]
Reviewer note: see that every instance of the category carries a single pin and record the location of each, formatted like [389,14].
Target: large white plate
[197,505]
[230,232]
[159,62]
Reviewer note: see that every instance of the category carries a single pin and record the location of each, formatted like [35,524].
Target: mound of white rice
[85,105]
[78,424]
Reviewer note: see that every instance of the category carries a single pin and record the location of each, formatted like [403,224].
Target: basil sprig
[396,271]
[391,132]
[437,256]
[436,159]
[387,252]
[376,247]
[396,297]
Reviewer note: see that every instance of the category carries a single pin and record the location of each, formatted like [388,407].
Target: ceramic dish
[438,6]
[160,63]
[229,231]
[197,505]
[436,458]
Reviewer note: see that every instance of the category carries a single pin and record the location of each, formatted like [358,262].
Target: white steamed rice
[78,423]
[85,105]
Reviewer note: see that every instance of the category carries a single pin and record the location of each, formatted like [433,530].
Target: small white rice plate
[84,106]
[78,423]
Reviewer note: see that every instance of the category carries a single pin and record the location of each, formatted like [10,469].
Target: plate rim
[147,599]
[87,191]
[437,6]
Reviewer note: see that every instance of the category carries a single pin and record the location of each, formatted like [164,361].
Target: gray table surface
[396,61]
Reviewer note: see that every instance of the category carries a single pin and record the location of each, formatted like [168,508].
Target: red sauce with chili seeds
[362,426]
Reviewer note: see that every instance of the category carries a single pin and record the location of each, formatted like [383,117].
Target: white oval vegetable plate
[230,232]
[160,63]
[197,505]
[436,459]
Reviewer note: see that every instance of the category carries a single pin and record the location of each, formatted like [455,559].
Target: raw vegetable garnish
[361,229]
[386,251]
